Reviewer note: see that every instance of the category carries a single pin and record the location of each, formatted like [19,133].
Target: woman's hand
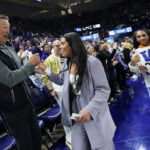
[115,62]
[84,116]
[42,66]
[38,70]
[134,60]
[34,59]
[142,68]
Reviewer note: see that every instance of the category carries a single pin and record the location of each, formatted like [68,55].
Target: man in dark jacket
[15,105]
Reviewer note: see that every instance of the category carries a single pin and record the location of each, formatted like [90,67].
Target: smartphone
[75,116]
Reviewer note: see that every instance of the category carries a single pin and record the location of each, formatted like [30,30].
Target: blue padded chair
[50,117]
[50,114]
[6,141]
[2,127]
[41,123]
[41,126]
[46,108]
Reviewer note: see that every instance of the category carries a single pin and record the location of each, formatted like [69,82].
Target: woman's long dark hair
[135,42]
[79,55]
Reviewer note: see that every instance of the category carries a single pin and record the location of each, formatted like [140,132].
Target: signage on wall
[90,27]
[120,31]
[90,37]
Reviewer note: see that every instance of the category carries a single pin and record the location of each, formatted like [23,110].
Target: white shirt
[73,81]
[27,54]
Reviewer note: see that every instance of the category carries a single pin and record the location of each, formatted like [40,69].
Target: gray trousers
[80,139]
[66,129]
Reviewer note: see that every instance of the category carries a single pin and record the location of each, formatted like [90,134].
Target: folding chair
[46,108]
[6,141]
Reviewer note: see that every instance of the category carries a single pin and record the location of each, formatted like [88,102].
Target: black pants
[22,124]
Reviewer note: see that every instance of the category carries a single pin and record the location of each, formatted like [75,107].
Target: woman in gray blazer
[85,94]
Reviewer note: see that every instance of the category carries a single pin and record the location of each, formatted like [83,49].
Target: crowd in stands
[38,36]
[130,13]
[113,55]
[29,39]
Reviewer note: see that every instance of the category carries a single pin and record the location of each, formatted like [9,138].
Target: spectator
[140,59]
[15,105]
[85,93]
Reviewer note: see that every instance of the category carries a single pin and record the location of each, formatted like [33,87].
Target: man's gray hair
[4,17]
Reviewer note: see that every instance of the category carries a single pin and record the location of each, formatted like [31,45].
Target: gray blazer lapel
[10,52]
[15,58]
[66,101]
[67,91]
